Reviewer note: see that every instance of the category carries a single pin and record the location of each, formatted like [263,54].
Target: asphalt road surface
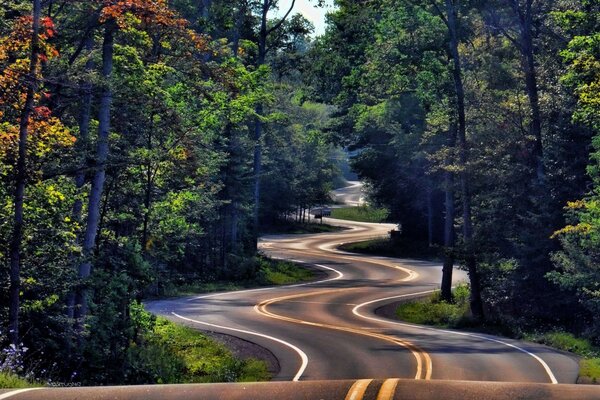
[327,335]
[329,329]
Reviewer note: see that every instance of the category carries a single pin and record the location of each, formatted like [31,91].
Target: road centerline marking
[358,389]
[388,389]
[423,360]
[355,311]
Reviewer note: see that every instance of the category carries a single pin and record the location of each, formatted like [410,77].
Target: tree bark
[100,173]
[528,62]
[21,180]
[262,53]
[449,238]
[84,130]
[237,29]
[470,261]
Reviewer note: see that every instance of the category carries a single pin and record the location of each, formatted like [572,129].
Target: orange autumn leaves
[151,13]
[46,132]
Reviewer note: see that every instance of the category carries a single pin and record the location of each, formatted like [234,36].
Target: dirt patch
[244,349]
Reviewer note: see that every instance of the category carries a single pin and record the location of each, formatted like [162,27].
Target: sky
[311,12]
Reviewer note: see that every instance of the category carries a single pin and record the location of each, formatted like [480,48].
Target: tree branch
[282,20]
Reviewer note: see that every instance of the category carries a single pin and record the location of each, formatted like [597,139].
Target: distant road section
[351,195]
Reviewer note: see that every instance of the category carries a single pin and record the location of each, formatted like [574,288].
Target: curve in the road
[424,365]
[355,311]
[334,324]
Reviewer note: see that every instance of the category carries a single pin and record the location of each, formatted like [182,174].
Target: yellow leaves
[580,229]
[575,205]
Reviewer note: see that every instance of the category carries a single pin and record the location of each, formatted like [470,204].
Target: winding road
[329,329]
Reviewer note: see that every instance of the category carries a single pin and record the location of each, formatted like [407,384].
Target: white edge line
[302,355]
[536,357]
[340,275]
[16,392]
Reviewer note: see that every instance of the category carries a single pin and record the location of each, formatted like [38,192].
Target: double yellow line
[424,365]
[359,388]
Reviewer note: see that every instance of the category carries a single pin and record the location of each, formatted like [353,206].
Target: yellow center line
[358,389]
[387,390]
[424,366]
[333,254]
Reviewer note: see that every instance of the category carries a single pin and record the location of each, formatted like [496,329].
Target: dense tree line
[134,139]
[473,123]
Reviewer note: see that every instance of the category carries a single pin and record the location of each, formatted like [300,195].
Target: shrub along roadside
[360,214]
[172,353]
[433,311]
[267,271]
[401,248]
[11,381]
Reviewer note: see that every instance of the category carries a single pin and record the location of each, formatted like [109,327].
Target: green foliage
[568,342]
[400,248]
[171,353]
[360,214]
[276,272]
[589,371]
[11,381]
[434,311]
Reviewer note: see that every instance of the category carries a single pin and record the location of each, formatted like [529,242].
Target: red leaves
[150,12]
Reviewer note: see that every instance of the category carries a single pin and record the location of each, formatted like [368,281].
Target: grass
[589,371]
[396,248]
[268,272]
[172,353]
[434,311]
[12,381]
[360,214]
[589,365]
[283,273]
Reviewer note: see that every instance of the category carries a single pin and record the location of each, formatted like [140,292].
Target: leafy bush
[360,214]
[434,311]
[172,353]
[589,371]
[12,381]
[274,272]
[567,342]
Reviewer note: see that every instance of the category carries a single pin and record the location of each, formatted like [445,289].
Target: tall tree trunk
[528,64]
[470,261]
[84,133]
[149,186]
[93,219]
[262,54]
[429,214]
[237,28]
[21,179]
[449,238]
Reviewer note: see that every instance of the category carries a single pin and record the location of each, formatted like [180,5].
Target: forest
[148,144]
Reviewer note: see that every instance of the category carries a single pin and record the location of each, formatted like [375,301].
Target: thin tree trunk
[471,263]
[528,63]
[21,179]
[100,174]
[237,29]
[149,186]
[429,214]
[84,130]
[449,238]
